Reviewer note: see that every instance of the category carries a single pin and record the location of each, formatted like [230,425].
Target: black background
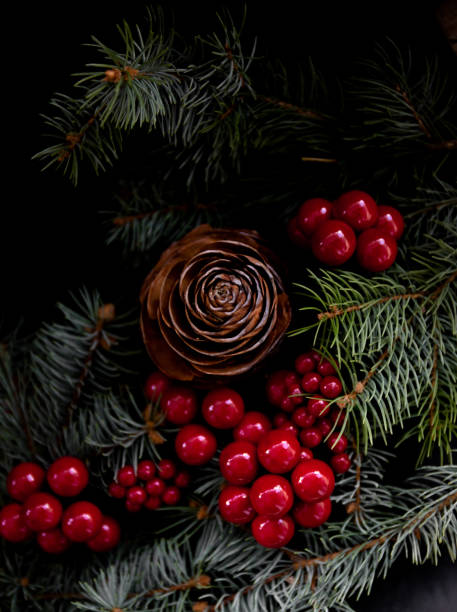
[52,235]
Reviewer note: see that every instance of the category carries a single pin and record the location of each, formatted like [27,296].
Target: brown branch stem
[304,112]
[336,312]
[436,206]
[416,115]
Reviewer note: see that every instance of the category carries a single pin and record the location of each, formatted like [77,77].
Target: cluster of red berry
[155,488]
[41,512]
[266,503]
[329,230]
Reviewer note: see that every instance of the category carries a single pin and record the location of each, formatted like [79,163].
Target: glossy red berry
[12,524]
[108,536]
[324,425]
[302,418]
[273,532]
[278,451]
[376,250]
[330,386]
[223,408]
[305,363]
[81,521]
[195,445]
[24,479]
[116,490]
[312,514]
[340,463]
[126,476]
[289,426]
[291,379]
[276,387]
[146,469]
[287,404]
[296,236]
[67,476]
[156,384]
[166,469]
[390,221]
[311,437]
[155,487]
[153,502]
[326,367]
[271,495]
[306,454]
[310,382]
[53,541]
[334,242]
[357,209]
[238,462]
[171,495]
[318,406]
[42,511]
[338,417]
[313,480]
[313,213]
[179,404]
[182,479]
[279,419]
[252,427]
[337,442]
[132,506]
[136,495]
[235,505]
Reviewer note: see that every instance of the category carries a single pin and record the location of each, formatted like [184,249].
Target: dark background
[52,238]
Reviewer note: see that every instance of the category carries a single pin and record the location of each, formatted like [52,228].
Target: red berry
[376,250]
[324,425]
[338,417]
[287,404]
[334,242]
[296,236]
[108,536]
[302,418]
[330,386]
[153,502]
[235,505]
[337,442]
[311,437]
[195,445]
[295,394]
[273,532]
[278,451]
[116,490]
[132,506]
[310,382]
[279,419]
[136,495]
[313,480]
[24,479]
[179,404]
[271,495]
[171,495]
[289,426]
[305,363]
[166,469]
[316,356]
[42,511]
[306,454]
[146,469]
[155,385]
[325,367]
[223,408]
[312,213]
[67,476]
[81,521]
[53,541]
[155,487]
[126,476]
[291,379]
[357,208]
[390,221]
[318,406]
[182,479]
[12,524]
[340,463]
[276,387]
[238,462]
[312,514]
[252,427]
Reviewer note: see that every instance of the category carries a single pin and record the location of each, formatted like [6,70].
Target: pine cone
[213,307]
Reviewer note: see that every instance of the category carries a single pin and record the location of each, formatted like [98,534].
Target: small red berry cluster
[269,499]
[155,488]
[329,230]
[41,512]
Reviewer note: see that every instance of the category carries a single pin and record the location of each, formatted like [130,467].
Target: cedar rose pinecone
[213,307]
